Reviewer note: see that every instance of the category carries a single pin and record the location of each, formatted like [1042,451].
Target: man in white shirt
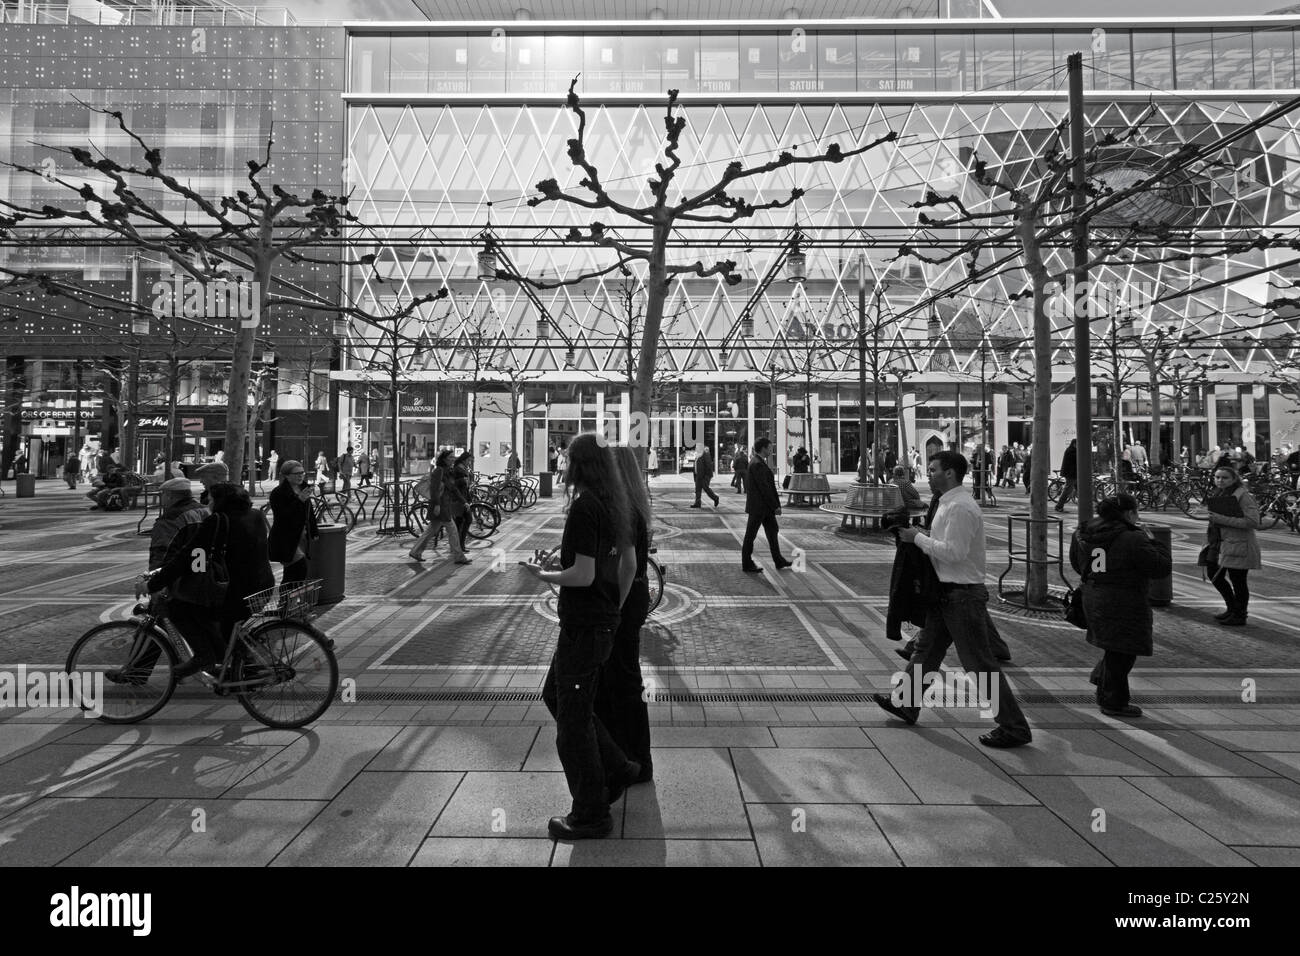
[955,546]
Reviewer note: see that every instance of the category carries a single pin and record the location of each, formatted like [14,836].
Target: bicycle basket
[292,601]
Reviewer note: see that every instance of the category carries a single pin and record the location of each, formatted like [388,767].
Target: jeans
[768,523]
[619,704]
[1069,491]
[894,631]
[462,525]
[738,482]
[435,525]
[961,618]
[587,751]
[1112,679]
[1231,583]
[702,485]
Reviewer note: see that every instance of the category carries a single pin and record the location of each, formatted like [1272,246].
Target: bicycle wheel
[285,674]
[137,664]
[1054,488]
[530,496]
[655,574]
[510,499]
[483,520]
[1269,515]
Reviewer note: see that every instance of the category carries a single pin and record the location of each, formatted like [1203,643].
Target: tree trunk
[131,417]
[1153,375]
[1176,455]
[241,362]
[173,397]
[903,458]
[1041,458]
[395,405]
[656,296]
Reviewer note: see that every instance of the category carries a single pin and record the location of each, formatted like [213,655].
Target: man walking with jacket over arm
[955,545]
[704,475]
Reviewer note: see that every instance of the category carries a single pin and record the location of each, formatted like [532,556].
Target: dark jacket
[761,496]
[460,476]
[444,493]
[292,515]
[740,464]
[1115,599]
[169,523]
[802,463]
[704,466]
[1070,463]
[246,554]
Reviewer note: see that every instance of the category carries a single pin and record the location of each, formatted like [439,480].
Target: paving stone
[46,831]
[693,796]
[654,853]
[1069,752]
[1285,763]
[236,833]
[942,766]
[174,735]
[16,738]
[822,835]
[518,804]
[820,737]
[152,770]
[379,819]
[1140,831]
[458,851]
[1271,855]
[316,766]
[457,748]
[710,737]
[818,776]
[983,836]
[1251,740]
[1184,753]
[1258,812]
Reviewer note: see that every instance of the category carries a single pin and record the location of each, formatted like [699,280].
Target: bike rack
[395,496]
[1014,556]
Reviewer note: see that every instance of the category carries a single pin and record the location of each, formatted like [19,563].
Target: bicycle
[280,668]
[328,511]
[655,574]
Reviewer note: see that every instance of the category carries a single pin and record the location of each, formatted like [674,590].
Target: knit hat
[213,472]
[179,486]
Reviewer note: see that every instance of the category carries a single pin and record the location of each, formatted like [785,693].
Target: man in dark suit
[704,475]
[762,504]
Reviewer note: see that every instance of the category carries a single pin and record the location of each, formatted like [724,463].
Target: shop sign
[57,414]
[191,424]
[157,421]
[697,410]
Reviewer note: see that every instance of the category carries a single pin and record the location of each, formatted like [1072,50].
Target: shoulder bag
[208,578]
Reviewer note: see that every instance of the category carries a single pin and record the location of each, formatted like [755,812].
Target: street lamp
[796,263]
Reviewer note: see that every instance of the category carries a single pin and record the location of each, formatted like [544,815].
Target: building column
[779,440]
[752,436]
[812,422]
[15,391]
[999,421]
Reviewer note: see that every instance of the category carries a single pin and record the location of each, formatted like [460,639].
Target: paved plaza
[767,748]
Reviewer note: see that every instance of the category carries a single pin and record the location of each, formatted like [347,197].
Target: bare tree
[716,204]
[229,238]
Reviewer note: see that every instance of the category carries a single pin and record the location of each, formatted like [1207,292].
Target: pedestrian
[273,466]
[956,548]
[1293,467]
[462,473]
[241,529]
[740,469]
[1232,542]
[1028,466]
[322,470]
[1070,472]
[1138,455]
[513,464]
[445,506]
[294,527]
[1117,558]
[20,462]
[763,505]
[620,694]
[1006,463]
[802,461]
[213,473]
[561,462]
[598,564]
[891,461]
[70,470]
[347,464]
[219,458]
[911,497]
[704,475]
[363,468]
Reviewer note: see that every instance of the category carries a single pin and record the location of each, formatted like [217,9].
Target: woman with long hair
[598,563]
[445,506]
[461,474]
[1117,559]
[1234,546]
[294,528]
[619,701]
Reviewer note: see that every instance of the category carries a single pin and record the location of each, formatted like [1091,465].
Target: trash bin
[328,561]
[544,485]
[26,486]
[1160,591]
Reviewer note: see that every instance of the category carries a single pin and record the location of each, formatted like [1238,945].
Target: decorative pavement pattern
[759,684]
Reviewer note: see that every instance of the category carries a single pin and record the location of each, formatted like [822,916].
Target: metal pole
[1082,346]
[862,367]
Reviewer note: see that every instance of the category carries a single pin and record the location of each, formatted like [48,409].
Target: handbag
[1074,612]
[785,482]
[208,588]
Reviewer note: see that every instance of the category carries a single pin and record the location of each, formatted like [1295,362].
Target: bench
[808,490]
[871,502]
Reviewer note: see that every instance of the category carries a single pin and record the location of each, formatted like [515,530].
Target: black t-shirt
[590,531]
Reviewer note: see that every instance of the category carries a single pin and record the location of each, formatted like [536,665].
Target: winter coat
[1117,562]
[246,554]
[1069,463]
[740,464]
[1238,544]
[292,516]
[169,523]
[444,493]
[802,463]
[704,466]
[346,465]
[761,496]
